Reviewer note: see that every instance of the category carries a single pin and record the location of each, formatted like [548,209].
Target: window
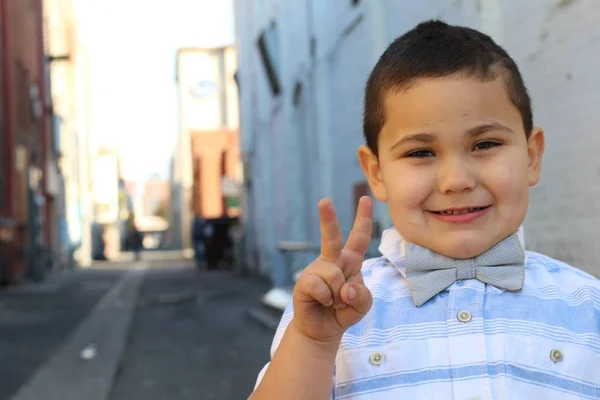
[236,78]
[268,46]
[196,193]
[223,163]
[5,169]
[297,99]
[223,174]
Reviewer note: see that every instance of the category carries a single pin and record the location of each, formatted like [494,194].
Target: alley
[187,334]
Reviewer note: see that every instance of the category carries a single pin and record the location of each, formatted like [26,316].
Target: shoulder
[545,274]
[559,269]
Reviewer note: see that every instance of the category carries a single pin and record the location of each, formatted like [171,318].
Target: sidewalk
[35,319]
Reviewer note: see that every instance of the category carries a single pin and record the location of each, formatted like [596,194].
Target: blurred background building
[66,57]
[111,205]
[43,142]
[207,155]
[264,125]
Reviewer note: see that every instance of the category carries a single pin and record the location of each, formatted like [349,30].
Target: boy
[455,308]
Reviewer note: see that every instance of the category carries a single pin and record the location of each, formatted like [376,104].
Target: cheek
[508,182]
[409,188]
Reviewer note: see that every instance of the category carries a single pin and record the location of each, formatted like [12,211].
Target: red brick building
[25,145]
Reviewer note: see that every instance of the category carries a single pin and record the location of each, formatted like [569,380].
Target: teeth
[457,212]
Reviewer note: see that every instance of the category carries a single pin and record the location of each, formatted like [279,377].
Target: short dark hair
[435,49]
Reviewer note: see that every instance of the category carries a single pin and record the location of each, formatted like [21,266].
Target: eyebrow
[428,137]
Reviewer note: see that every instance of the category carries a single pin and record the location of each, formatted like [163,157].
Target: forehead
[448,104]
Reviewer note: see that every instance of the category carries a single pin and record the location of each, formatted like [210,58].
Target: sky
[132,45]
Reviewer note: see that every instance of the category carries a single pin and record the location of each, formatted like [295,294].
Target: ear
[535,151]
[370,166]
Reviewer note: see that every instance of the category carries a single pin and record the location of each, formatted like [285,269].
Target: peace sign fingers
[331,236]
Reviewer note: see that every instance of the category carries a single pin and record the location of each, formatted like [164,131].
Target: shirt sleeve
[283,324]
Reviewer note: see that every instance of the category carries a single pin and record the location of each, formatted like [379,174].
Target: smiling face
[454,164]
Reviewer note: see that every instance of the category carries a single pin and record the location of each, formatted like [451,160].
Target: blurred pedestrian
[137,241]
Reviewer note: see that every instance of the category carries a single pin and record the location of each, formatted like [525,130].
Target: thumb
[357,296]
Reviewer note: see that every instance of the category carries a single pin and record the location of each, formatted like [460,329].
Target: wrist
[327,346]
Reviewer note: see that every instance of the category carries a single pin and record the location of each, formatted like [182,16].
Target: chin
[462,247]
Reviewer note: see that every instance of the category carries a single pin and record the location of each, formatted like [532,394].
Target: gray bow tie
[428,273]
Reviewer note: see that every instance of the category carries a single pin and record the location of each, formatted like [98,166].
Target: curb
[273,304]
[85,365]
[268,319]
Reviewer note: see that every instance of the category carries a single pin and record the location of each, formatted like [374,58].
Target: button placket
[465,308]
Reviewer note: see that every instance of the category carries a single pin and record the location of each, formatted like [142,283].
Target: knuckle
[304,282]
[316,287]
[319,268]
[323,271]
[309,285]
[312,268]
[307,279]
[333,275]
[352,256]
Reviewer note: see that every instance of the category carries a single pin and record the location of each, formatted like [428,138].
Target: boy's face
[454,164]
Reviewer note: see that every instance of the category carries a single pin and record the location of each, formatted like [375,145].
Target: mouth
[460,210]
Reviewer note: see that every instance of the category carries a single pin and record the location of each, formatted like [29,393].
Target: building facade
[207,148]
[110,201]
[42,83]
[303,65]
[67,61]
[28,181]
[155,199]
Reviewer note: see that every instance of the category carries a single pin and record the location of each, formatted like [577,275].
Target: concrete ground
[192,338]
[149,330]
[35,319]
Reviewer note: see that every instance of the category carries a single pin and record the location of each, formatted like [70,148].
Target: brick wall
[21,64]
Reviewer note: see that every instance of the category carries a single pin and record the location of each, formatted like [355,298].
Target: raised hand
[330,295]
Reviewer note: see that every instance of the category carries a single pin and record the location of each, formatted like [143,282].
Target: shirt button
[464,316]
[376,358]
[556,355]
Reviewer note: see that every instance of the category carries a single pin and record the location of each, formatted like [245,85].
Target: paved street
[149,330]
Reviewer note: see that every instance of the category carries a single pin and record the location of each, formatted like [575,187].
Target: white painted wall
[556,44]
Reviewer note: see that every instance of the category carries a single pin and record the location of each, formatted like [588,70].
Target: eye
[421,154]
[486,145]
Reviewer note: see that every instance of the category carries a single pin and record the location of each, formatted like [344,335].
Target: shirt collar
[393,249]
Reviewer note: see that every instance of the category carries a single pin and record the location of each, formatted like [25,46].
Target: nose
[456,176]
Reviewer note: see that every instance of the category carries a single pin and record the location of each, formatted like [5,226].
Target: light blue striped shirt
[540,343]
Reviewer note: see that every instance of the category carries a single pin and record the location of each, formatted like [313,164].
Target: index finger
[331,236]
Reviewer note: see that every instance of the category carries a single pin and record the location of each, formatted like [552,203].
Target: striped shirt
[471,341]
